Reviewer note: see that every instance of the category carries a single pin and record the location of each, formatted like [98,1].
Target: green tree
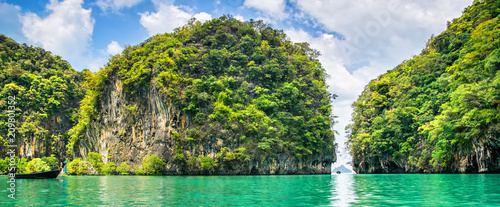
[139,170]
[206,163]
[152,165]
[51,162]
[95,160]
[109,168]
[123,168]
[79,167]
[37,165]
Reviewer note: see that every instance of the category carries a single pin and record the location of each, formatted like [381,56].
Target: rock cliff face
[51,141]
[484,159]
[438,112]
[121,136]
[204,105]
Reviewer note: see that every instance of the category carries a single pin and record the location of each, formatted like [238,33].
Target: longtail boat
[40,175]
[52,174]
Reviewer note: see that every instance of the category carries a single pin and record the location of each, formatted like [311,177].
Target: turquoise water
[291,190]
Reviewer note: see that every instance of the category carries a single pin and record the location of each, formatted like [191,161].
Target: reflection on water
[292,190]
[342,190]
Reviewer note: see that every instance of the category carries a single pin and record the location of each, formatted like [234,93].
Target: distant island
[220,98]
[342,169]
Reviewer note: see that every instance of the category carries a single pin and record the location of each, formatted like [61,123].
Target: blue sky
[358,39]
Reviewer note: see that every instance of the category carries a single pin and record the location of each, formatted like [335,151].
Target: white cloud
[4,8]
[274,8]
[114,48]
[116,5]
[168,17]
[342,83]
[375,38]
[166,2]
[66,31]
[390,31]
[203,17]
[239,18]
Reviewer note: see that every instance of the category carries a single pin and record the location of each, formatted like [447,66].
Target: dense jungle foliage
[244,80]
[47,94]
[440,110]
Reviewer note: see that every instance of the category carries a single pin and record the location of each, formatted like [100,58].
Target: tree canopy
[242,82]
[47,93]
[438,112]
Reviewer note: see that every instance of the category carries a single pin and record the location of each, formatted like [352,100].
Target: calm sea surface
[292,190]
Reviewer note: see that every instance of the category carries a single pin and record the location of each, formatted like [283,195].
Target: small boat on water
[40,175]
[52,174]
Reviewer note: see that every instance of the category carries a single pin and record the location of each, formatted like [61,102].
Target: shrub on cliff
[20,164]
[95,160]
[79,167]
[139,170]
[238,156]
[51,162]
[123,168]
[37,165]
[4,165]
[206,163]
[108,169]
[152,165]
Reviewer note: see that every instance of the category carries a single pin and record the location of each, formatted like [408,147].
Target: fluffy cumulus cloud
[116,5]
[345,85]
[168,17]
[370,38]
[66,31]
[203,17]
[389,32]
[274,8]
[114,48]
[240,18]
